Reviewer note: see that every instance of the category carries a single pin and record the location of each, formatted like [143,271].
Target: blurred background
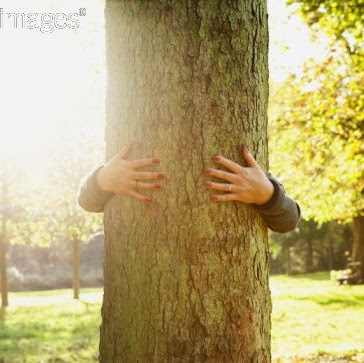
[52,92]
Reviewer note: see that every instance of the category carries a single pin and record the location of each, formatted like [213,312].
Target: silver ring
[230,187]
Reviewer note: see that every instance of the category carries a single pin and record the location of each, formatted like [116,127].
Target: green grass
[316,320]
[50,327]
[313,321]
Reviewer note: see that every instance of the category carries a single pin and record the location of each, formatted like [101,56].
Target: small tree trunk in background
[3,277]
[185,279]
[358,246]
[3,242]
[288,260]
[330,252]
[309,256]
[76,268]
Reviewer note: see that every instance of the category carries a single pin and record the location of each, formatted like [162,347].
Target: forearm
[90,196]
[281,212]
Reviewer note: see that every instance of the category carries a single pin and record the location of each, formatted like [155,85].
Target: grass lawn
[50,327]
[313,321]
[313,318]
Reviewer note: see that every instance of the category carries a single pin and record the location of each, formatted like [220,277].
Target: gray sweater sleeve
[281,212]
[90,196]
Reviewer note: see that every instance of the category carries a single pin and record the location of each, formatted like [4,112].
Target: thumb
[124,151]
[249,158]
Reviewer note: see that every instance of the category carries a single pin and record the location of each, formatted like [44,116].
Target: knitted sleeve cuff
[90,196]
[275,203]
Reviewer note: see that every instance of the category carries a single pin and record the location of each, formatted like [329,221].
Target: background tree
[310,247]
[46,212]
[318,123]
[49,106]
[3,237]
[186,279]
[341,20]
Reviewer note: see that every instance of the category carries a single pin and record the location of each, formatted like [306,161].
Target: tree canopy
[342,20]
[317,119]
[317,138]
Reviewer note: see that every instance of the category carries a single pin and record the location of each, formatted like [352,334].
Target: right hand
[123,177]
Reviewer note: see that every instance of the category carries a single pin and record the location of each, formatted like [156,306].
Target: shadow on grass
[352,301]
[316,276]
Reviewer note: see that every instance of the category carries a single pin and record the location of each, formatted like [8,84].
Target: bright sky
[52,82]
[52,86]
[290,42]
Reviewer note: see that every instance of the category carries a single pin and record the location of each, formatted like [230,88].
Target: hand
[123,177]
[245,184]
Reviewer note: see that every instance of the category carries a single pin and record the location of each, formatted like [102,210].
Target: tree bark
[358,246]
[186,280]
[76,268]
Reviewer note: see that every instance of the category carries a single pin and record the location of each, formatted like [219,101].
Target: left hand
[245,184]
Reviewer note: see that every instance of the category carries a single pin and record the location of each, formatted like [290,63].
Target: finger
[228,164]
[141,197]
[223,187]
[148,186]
[124,151]
[232,178]
[140,175]
[224,197]
[249,158]
[141,163]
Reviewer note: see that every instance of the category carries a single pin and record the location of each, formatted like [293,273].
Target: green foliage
[310,248]
[318,118]
[44,207]
[341,20]
[317,133]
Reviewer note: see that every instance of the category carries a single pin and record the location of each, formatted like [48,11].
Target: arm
[118,176]
[281,212]
[251,185]
[90,195]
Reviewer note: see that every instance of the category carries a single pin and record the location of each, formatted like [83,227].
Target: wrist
[100,179]
[268,193]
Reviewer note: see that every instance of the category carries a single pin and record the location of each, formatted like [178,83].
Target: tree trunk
[288,260]
[3,277]
[309,256]
[358,246]
[186,280]
[3,240]
[330,251]
[76,268]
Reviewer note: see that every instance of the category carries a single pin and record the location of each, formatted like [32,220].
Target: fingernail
[208,170]
[247,150]
[207,184]
[157,186]
[155,161]
[147,200]
[214,198]
[216,158]
[161,176]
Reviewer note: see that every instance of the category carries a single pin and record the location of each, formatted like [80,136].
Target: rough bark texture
[186,280]
[358,246]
